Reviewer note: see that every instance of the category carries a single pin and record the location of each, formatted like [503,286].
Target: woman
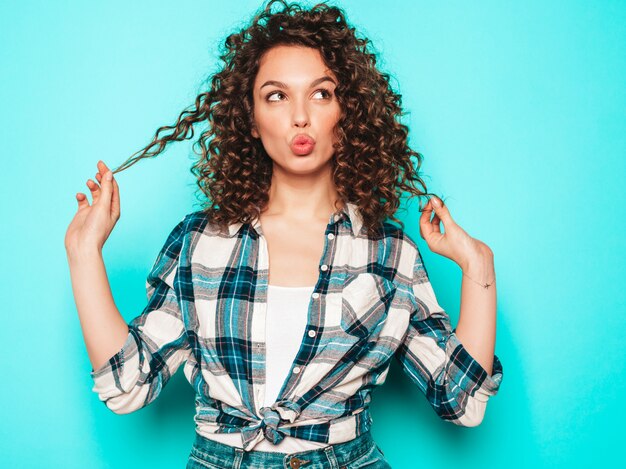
[305,163]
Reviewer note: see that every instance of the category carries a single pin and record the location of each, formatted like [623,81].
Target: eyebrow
[280,84]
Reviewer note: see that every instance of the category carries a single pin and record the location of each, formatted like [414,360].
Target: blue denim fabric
[361,452]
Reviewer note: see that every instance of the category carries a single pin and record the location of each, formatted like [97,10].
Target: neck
[303,197]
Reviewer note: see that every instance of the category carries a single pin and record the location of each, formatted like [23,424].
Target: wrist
[84,253]
[479,266]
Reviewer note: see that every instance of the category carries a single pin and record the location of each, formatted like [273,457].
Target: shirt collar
[350,212]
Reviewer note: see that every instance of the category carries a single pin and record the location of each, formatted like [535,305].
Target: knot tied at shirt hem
[267,427]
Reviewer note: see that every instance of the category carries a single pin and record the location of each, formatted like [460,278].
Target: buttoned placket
[313,316]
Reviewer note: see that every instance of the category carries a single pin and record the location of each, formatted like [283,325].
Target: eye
[327,94]
[324,90]
[267,98]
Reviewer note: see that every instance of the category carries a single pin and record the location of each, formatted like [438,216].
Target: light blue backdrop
[519,110]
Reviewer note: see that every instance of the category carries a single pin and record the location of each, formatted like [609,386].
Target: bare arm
[476,328]
[452,369]
[458,372]
[104,329]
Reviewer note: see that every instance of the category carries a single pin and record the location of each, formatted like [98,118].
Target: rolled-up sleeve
[455,384]
[157,341]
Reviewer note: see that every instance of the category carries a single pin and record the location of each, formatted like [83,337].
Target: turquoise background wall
[519,110]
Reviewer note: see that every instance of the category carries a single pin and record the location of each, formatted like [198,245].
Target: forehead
[292,64]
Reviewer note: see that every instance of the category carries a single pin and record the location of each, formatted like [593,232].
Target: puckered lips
[302,144]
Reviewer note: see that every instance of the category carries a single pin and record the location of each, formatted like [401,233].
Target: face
[294,94]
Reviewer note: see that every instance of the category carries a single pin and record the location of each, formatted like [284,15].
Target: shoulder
[198,222]
[402,249]
[195,221]
[204,242]
[177,239]
[394,234]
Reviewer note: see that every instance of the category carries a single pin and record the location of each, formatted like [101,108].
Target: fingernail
[436,202]
[109,175]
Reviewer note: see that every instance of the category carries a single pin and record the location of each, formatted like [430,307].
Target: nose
[300,115]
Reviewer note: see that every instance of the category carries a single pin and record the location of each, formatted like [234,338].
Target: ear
[253,129]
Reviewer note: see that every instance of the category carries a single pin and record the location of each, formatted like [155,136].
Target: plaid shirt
[207,299]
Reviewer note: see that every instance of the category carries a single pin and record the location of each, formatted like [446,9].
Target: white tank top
[286,319]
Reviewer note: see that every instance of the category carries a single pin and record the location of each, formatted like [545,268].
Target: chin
[309,164]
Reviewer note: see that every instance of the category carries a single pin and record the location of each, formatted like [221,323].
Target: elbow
[126,403]
[119,411]
[469,420]
[120,406]
[471,414]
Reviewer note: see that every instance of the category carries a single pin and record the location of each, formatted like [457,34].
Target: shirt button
[336,217]
[331,235]
[296,369]
[315,295]
[311,333]
[324,267]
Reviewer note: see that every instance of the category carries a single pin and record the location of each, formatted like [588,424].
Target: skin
[302,192]
[476,328]
[104,329]
[301,199]
[302,187]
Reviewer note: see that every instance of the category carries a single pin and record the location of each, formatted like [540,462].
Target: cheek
[267,129]
[333,117]
[269,122]
[331,124]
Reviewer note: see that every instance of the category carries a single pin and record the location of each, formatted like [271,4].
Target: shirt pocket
[365,302]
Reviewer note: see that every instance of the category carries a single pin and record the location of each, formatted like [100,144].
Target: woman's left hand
[455,243]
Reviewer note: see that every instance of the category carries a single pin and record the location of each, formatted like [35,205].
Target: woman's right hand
[92,224]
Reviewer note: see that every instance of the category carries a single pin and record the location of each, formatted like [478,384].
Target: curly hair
[372,163]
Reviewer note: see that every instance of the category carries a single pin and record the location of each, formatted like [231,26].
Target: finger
[115,200]
[435,222]
[441,210]
[95,190]
[432,225]
[106,190]
[426,228]
[102,168]
[82,200]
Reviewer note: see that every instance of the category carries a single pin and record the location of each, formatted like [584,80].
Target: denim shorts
[361,452]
